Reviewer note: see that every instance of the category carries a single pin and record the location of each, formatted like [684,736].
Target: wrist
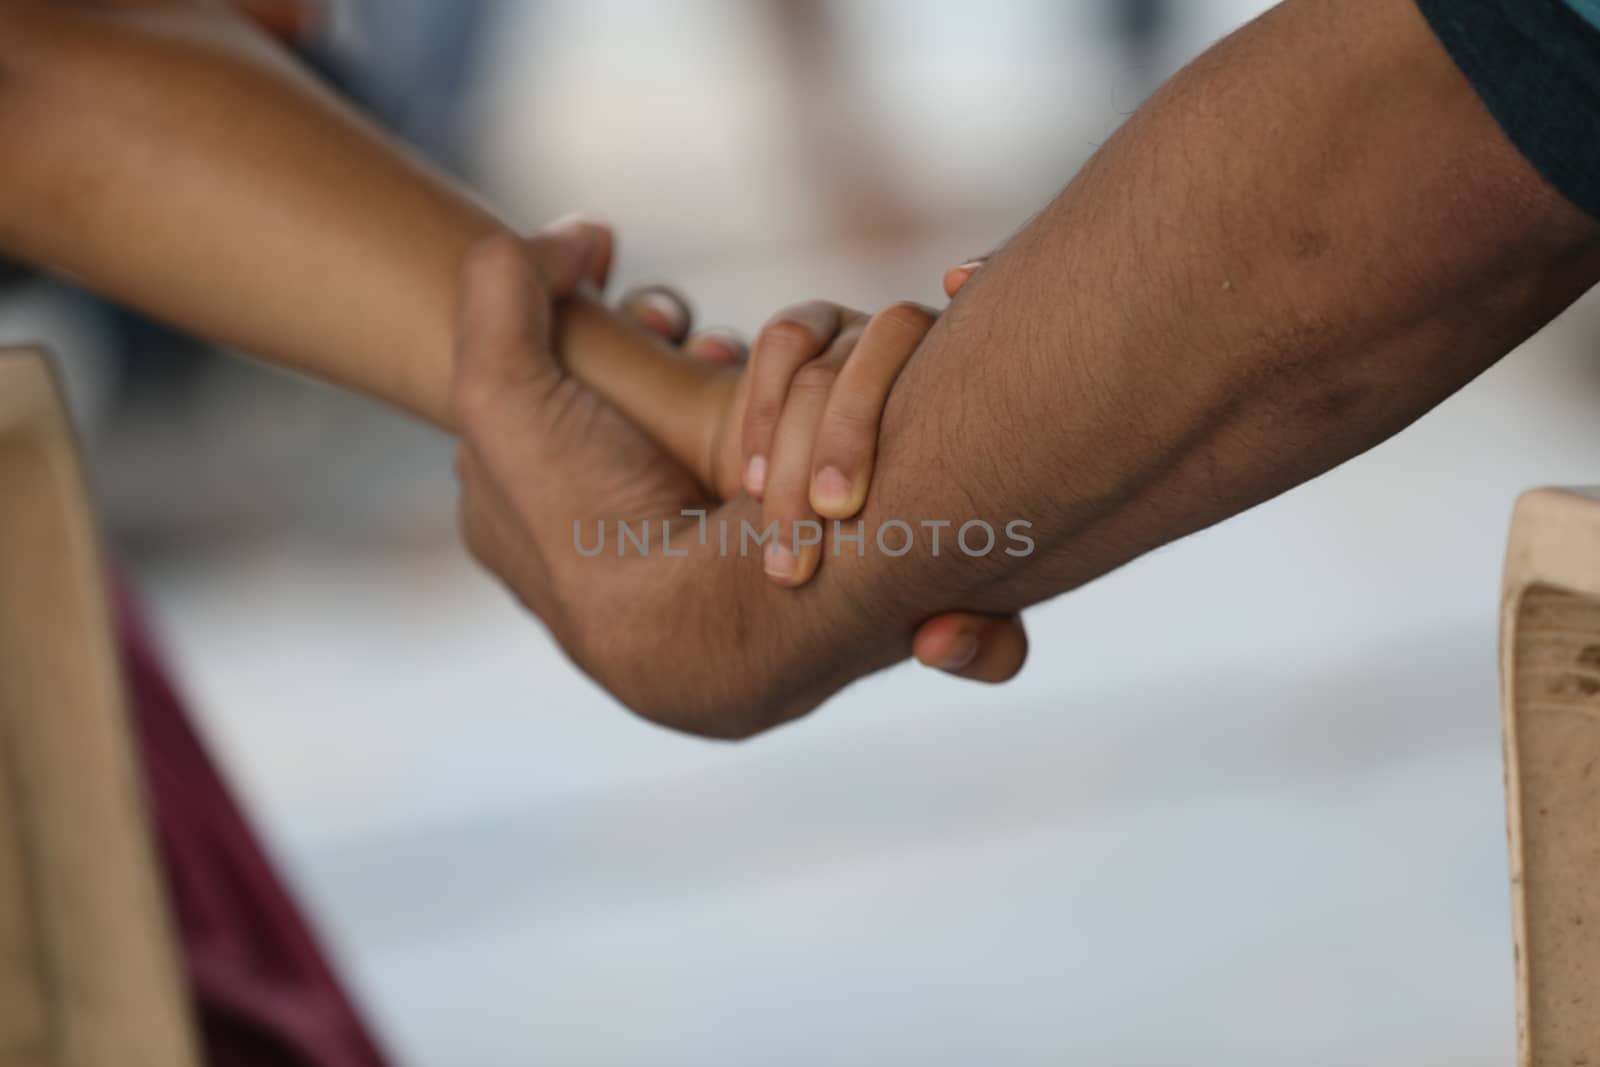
[778,652]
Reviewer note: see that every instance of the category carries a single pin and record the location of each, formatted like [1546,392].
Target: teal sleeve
[1536,66]
[1588,9]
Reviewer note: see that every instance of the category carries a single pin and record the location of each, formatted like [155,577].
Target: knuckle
[908,316]
[786,334]
[816,377]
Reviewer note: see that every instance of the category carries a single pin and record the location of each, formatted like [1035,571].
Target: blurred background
[1243,808]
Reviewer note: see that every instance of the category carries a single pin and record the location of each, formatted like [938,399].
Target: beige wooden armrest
[88,976]
[1550,692]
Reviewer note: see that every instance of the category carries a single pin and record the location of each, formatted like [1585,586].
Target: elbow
[716,700]
[710,716]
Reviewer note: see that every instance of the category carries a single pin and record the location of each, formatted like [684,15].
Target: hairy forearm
[1303,243]
[169,156]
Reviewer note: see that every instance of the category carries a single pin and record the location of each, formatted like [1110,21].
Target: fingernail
[780,562]
[831,491]
[725,346]
[755,475]
[971,264]
[664,307]
[963,650]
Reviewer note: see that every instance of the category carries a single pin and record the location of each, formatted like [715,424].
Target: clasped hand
[685,629]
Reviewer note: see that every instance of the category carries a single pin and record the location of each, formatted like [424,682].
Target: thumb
[503,332]
[956,277]
[985,648]
[572,251]
[508,285]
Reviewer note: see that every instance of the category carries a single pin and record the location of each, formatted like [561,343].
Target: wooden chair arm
[1550,690]
[88,972]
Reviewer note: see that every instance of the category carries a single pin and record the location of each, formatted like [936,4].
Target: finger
[571,251]
[956,277]
[847,436]
[503,337]
[984,648]
[722,347]
[790,339]
[793,558]
[660,310]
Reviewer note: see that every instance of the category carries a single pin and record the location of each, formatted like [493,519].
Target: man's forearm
[1304,242]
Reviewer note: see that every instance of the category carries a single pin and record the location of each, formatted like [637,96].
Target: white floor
[1242,809]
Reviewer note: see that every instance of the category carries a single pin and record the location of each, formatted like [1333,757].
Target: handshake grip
[680,402]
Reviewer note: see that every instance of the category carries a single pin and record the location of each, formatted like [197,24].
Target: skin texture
[1302,243]
[1306,240]
[168,155]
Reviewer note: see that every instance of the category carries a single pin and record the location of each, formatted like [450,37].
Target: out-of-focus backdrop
[1243,808]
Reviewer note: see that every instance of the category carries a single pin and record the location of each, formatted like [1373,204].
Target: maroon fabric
[264,995]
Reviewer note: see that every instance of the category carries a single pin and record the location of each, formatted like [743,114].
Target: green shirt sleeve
[1536,66]
[1589,9]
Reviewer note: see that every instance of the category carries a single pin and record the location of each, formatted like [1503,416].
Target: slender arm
[168,155]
